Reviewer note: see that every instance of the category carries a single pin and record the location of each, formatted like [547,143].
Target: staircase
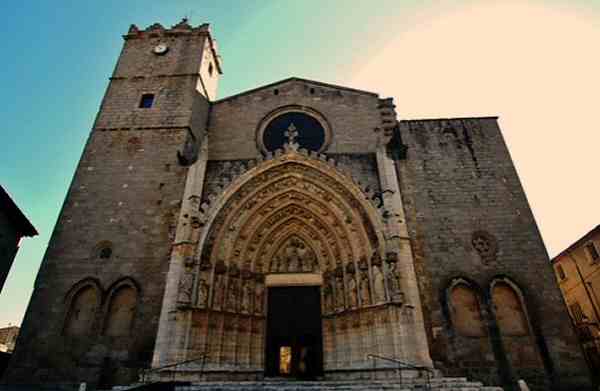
[434,384]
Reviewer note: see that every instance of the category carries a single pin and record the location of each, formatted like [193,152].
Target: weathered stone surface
[458,180]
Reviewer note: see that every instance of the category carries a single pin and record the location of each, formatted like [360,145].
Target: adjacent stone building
[577,270]
[13,227]
[8,338]
[290,230]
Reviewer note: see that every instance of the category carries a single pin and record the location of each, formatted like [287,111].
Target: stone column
[412,335]
[171,336]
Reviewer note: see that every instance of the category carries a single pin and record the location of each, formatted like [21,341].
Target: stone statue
[327,297]
[186,285]
[275,264]
[259,299]
[393,281]
[339,293]
[310,261]
[378,285]
[233,293]
[292,258]
[202,293]
[247,297]
[218,288]
[352,292]
[365,297]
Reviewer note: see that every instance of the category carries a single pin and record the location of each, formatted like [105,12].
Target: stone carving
[393,278]
[328,295]
[203,289]
[247,293]
[293,257]
[259,298]
[233,291]
[219,284]
[324,193]
[365,296]
[186,286]
[352,291]
[378,285]
[232,294]
[219,287]
[339,292]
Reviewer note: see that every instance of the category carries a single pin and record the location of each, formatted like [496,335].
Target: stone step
[437,384]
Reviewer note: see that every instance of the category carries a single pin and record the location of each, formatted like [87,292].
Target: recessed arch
[509,308]
[82,303]
[465,308]
[326,202]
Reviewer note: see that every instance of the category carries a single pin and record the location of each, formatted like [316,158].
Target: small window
[275,91]
[592,251]
[146,101]
[560,272]
[210,69]
[105,253]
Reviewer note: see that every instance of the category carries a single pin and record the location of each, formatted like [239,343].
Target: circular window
[307,130]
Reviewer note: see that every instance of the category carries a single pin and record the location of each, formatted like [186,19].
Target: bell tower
[113,237]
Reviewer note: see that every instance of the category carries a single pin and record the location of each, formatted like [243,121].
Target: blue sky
[57,57]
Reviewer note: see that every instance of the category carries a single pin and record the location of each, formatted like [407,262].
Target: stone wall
[470,220]
[125,197]
[352,116]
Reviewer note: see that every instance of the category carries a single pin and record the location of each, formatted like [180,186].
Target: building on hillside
[577,270]
[13,227]
[8,338]
[295,229]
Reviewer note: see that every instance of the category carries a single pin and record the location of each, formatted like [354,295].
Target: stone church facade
[299,215]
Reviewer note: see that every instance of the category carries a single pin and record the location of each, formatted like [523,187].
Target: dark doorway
[294,345]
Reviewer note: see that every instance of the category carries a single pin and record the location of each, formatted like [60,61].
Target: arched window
[465,311]
[102,250]
[82,312]
[510,315]
[121,311]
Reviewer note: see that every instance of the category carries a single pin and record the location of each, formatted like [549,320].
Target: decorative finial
[291,135]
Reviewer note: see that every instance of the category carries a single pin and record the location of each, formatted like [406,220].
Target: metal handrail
[152,370]
[404,365]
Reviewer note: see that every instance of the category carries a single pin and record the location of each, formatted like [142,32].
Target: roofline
[15,214]
[494,117]
[578,242]
[293,78]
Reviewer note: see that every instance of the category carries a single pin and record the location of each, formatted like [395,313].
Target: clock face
[161,48]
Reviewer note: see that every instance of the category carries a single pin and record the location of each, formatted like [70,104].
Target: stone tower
[294,229]
[117,223]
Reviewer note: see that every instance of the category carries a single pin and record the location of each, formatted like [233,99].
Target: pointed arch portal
[290,263]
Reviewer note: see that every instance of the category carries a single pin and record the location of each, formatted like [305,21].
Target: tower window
[210,69]
[105,253]
[146,101]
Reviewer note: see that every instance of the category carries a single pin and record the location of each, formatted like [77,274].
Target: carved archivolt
[293,213]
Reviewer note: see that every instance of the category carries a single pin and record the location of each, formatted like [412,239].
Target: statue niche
[294,256]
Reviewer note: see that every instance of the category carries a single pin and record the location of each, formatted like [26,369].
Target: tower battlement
[157,30]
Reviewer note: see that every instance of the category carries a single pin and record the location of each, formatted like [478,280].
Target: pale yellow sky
[534,64]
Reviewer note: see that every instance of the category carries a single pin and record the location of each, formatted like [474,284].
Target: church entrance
[294,342]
